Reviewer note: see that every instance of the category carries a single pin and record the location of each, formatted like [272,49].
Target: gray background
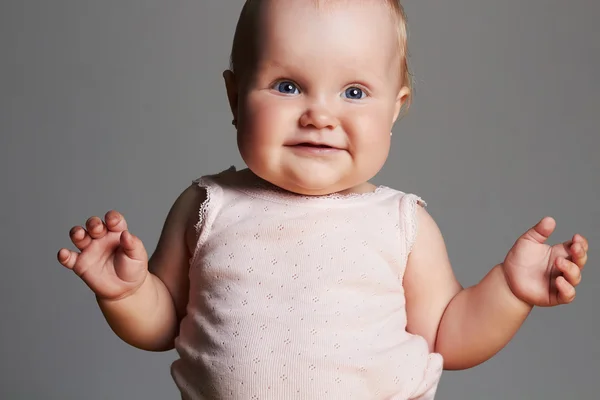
[120,104]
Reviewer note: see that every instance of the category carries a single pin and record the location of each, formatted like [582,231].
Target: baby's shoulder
[410,204]
[184,212]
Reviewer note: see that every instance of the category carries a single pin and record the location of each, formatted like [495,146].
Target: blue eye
[354,93]
[286,87]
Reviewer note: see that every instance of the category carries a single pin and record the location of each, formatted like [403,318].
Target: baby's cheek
[371,143]
[261,135]
[254,129]
[366,131]
[270,119]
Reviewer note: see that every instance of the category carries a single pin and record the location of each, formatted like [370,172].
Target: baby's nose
[319,117]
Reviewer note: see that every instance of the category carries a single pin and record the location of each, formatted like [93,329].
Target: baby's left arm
[468,326]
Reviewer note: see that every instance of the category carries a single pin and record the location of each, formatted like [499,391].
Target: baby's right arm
[142,300]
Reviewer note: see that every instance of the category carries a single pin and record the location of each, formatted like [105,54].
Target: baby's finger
[95,227]
[80,237]
[578,254]
[570,270]
[566,292]
[583,240]
[67,258]
[133,247]
[115,222]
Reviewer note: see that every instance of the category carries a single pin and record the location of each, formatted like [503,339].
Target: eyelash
[277,84]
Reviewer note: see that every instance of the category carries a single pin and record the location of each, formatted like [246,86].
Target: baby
[296,278]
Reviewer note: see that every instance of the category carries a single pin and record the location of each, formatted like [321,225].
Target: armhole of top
[206,212]
[409,223]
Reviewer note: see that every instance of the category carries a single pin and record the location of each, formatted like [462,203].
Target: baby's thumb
[133,247]
[541,231]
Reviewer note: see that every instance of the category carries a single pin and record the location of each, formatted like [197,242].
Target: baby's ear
[401,100]
[232,91]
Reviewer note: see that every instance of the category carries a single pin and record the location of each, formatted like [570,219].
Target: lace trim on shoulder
[207,183]
[202,227]
[203,210]
[409,215]
[409,223]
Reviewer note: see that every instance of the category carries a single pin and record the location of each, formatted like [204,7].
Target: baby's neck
[366,187]
[246,175]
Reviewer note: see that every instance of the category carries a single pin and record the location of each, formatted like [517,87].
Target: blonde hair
[243,51]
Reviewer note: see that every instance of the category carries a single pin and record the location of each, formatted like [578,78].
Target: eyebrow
[272,64]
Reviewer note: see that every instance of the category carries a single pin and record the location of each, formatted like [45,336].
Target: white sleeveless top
[298,297]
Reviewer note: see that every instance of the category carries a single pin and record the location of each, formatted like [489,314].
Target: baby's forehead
[258,9]
[297,20]
[315,28]
[359,27]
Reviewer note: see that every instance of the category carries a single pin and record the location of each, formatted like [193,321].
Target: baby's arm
[149,319]
[467,326]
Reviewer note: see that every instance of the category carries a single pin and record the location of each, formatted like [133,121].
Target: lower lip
[315,150]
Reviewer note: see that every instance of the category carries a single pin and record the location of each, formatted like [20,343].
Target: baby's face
[316,114]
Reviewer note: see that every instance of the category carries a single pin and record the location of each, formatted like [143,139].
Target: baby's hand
[543,275]
[112,262]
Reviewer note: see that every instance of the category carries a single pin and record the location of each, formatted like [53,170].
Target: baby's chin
[307,185]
